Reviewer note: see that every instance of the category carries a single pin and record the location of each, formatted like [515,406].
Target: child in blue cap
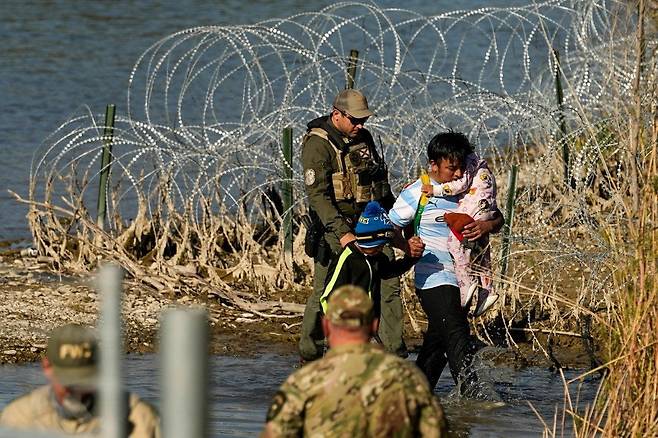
[361,263]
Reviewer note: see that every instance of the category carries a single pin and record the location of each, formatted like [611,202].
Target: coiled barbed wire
[216,98]
[207,105]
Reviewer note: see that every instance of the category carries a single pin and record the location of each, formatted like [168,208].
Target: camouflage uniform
[325,153]
[72,358]
[356,390]
[37,411]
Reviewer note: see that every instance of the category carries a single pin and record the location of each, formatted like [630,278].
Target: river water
[60,55]
[241,389]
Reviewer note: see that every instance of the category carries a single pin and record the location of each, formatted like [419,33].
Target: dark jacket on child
[354,267]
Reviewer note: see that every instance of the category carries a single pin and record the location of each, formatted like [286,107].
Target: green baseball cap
[73,353]
[354,103]
[349,306]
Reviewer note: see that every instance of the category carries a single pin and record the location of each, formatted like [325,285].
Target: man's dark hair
[453,146]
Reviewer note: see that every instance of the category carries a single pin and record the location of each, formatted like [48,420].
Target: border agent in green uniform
[342,173]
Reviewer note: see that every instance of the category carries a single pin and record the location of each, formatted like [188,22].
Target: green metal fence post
[509,217]
[561,121]
[286,190]
[351,68]
[106,161]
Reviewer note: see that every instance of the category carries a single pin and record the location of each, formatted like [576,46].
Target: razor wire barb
[207,105]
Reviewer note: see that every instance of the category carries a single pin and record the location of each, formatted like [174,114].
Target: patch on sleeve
[277,404]
[447,190]
[309,177]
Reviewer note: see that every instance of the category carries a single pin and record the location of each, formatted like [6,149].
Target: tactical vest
[359,177]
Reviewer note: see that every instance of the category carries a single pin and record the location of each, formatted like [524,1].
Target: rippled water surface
[241,389]
[57,56]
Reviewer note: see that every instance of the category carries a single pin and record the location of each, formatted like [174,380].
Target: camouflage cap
[354,103]
[349,306]
[73,353]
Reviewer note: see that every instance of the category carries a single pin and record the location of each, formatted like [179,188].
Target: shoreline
[36,300]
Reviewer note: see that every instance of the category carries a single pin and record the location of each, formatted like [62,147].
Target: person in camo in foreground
[447,339]
[357,389]
[68,404]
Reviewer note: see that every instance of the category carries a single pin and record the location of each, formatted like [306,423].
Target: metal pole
[106,160]
[561,121]
[286,191]
[509,217]
[351,68]
[113,399]
[184,349]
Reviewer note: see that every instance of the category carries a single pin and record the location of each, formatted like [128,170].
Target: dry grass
[583,260]
[630,403]
[223,254]
[627,403]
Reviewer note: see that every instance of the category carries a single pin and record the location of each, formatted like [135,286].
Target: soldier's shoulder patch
[309,177]
[277,404]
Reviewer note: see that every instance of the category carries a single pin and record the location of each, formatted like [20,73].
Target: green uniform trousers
[311,341]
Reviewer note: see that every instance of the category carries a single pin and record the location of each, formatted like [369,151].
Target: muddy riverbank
[34,300]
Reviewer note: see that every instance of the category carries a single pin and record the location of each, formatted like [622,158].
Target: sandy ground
[33,301]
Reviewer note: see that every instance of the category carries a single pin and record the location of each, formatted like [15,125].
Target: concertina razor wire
[207,105]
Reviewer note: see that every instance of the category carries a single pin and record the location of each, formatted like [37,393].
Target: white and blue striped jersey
[436,267]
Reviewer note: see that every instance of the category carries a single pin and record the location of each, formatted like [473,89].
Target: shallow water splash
[241,389]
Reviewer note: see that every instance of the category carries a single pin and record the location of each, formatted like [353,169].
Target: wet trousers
[311,340]
[448,339]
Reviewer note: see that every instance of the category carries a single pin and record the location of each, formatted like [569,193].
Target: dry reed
[194,206]
[627,402]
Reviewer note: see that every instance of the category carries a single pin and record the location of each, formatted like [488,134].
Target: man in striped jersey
[448,338]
